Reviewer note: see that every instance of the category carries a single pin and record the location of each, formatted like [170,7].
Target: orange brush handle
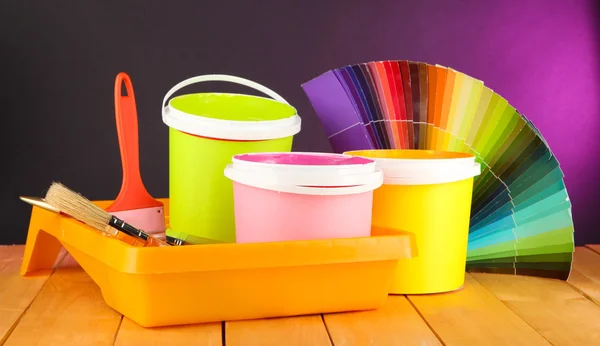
[133,194]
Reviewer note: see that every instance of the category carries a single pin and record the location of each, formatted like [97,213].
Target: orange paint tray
[161,286]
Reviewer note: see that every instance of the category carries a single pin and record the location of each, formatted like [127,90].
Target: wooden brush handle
[145,238]
[152,241]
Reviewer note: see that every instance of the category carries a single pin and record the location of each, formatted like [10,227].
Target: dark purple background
[60,59]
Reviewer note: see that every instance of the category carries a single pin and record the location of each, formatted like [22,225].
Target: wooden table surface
[65,307]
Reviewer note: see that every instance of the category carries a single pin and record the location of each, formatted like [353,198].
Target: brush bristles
[77,206]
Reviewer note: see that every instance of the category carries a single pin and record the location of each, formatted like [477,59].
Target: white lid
[409,171]
[273,182]
[305,168]
[408,163]
[229,129]
[443,175]
[305,173]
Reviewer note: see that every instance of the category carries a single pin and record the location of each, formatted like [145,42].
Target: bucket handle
[223,78]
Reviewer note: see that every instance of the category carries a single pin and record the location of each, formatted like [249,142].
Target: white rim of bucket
[445,174]
[318,172]
[259,180]
[401,165]
[312,179]
[404,170]
[229,129]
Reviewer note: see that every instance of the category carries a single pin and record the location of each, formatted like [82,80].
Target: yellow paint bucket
[429,194]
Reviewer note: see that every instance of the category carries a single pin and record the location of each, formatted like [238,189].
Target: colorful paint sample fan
[521,219]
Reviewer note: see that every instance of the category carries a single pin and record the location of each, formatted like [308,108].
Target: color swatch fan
[521,219]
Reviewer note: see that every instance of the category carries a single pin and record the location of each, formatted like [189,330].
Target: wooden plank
[288,331]
[130,333]
[594,247]
[69,310]
[554,308]
[16,292]
[11,252]
[396,323]
[585,275]
[8,322]
[474,316]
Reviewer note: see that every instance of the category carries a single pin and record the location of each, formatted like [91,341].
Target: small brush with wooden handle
[82,209]
[41,203]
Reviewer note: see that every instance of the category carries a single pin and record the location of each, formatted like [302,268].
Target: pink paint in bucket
[302,196]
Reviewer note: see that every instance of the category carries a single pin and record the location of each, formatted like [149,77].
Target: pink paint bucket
[302,196]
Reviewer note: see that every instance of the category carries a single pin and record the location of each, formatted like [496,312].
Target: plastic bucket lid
[421,167]
[306,173]
[230,116]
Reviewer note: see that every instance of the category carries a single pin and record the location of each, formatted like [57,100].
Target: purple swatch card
[353,83]
[340,121]
[373,97]
[347,83]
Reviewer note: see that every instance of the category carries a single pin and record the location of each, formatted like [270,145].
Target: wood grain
[594,247]
[66,308]
[552,307]
[396,323]
[289,331]
[16,292]
[474,316]
[8,321]
[585,275]
[130,333]
[11,252]
[69,310]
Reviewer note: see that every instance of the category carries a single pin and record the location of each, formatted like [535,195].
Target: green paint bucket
[205,131]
